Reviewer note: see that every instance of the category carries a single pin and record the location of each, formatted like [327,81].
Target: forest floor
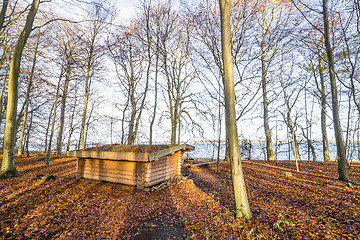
[286,204]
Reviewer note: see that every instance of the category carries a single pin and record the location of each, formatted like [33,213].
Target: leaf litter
[310,204]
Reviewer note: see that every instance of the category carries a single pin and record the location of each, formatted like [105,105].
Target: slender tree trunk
[325,142]
[174,124]
[132,121]
[155,96]
[269,149]
[88,123]
[307,127]
[47,163]
[27,98]
[311,147]
[341,162]
[242,207]
[71,128]
[62,111]
[87,88]
[8,162]
[219,133]
[179,131]
[137,121]
[2,94]
[3,13]
[28,135]
[47,128]
[292,131]
[86,100]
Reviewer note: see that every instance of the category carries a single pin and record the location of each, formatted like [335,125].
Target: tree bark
[27,98]
[325,142]
[292,131]
[341,162]
[86,100]
[242,208]
[47,162]
[3,13]
[28,135]
[62,110]
[269,148]
[71,127]
[8,162]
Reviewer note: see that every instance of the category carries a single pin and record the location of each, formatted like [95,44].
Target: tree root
[10,173]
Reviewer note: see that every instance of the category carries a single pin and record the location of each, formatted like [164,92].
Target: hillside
[286,205]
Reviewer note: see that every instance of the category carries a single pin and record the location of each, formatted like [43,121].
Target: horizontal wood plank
[163,175]
[117,156]
[167,151]
[110,179]
[109,173]
[109,164]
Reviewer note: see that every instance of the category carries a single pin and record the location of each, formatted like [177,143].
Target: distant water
[208,150]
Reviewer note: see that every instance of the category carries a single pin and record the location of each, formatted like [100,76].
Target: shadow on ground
[159,227]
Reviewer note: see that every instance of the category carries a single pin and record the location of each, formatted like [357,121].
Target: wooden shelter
[131,168]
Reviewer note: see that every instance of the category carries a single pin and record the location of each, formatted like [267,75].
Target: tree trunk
[242,208]
[269,149]
[2,94]
[62,111]
[173,124]
[28,135]
[47,128]
[155,96]
[325,143]
[311,147]
[71,128]
[3,12]
[27,98]
[290,125]
[8,162]
[87,88]
[86,100]
[47,163]
[88,123]
[219,134]
[341,162]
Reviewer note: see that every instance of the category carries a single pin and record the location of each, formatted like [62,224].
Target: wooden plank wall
[162,169]
[108,170]
[131,173]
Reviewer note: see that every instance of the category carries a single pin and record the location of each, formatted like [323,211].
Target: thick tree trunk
[242,207]
[341,162]
[8,162]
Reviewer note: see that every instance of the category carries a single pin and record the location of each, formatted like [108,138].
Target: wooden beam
[156,155]
[127,156]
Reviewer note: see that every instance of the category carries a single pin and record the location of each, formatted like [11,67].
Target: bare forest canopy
[151,72]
